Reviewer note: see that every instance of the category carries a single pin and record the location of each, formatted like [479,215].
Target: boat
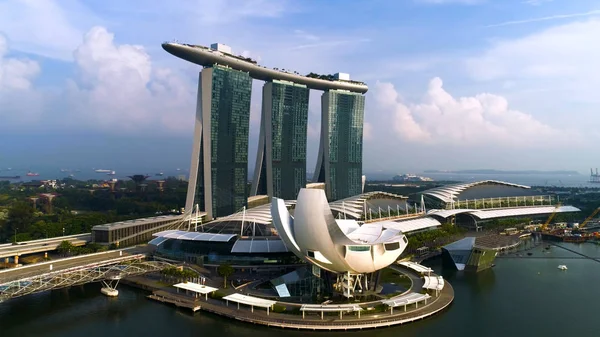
[562,267]
[111,173]
[160,174]
[109,292]
[102,171]
[32,174]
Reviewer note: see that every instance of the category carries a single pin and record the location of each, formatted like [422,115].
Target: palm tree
[225,270]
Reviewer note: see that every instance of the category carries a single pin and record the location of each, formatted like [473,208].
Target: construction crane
[545,225]
[589,218]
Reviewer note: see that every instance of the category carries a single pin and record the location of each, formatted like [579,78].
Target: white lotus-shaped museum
[337,245]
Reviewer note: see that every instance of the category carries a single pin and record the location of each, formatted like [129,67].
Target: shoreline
[313,322]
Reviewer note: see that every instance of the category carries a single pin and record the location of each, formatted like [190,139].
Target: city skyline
[502,80]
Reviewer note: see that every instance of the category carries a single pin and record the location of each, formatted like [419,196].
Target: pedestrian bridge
[73,271]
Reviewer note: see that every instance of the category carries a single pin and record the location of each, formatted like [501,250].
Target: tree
[20,217]
[65,248]
[225,270]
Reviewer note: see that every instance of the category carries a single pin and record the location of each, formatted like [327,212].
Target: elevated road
[41,246]
[32,270]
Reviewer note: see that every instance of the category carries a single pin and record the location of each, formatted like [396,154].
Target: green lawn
[391,276]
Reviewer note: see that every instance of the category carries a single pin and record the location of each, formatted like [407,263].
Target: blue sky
[454,84]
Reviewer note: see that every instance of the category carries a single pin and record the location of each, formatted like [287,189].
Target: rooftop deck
[205,56]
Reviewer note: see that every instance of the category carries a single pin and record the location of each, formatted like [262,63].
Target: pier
[180,301]
[366,315]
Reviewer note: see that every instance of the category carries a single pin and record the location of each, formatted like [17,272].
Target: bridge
[73,271]
[15,250]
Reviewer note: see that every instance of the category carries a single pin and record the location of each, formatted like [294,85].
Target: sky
[453,84]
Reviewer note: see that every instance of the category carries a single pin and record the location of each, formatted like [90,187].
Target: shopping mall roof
[412,225]
[262,245]
[449,193]
[485,214]
[194,236]
[355,206]
[136,222]
[260,215]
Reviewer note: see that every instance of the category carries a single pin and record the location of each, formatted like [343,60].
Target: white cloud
[466,121]
[226,11]
[19,103]
[46,28]
[118,88]
[404,125]
[564,58]
[367,131]
[15,73]
[546,18]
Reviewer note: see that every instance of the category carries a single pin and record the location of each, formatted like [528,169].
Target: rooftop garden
[330,77]
[239,57]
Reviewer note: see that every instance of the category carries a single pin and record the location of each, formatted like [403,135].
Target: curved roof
[486,214]
[448,193]
[205,57]
[412,225]
[355,206]
[260,215]
[193,236]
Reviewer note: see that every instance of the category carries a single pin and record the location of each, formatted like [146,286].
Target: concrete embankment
[293,320]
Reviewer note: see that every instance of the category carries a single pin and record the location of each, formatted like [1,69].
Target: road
[40,246]
[19,273]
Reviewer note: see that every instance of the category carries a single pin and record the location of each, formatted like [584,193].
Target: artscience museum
[346,248]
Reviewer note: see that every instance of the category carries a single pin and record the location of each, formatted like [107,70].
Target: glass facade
[288,122]
[229,124]
[344,113]
[205,252]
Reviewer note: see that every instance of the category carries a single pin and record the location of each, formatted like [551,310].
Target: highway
[20,273]
[40,246]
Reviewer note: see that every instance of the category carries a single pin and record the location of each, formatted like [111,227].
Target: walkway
[374,314]
[314,322]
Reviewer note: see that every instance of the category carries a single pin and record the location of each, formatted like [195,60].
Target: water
[518,297]
[86,174]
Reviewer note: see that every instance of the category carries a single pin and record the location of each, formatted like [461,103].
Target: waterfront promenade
[373,315]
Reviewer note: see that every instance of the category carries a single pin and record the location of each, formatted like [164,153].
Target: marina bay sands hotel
[219,164]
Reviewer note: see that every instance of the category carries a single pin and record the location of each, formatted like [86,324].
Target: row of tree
[77,208]
[66,248]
